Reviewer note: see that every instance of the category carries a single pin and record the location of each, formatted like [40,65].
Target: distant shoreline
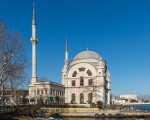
[137,104]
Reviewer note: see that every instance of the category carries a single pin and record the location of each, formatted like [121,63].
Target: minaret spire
[65,68]
[34,42]
[34,39]
[34,15]
[66,59]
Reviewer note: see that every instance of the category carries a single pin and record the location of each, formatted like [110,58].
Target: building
[124,99]
[45,91]
[48,91]
[129,97]
[86,79]
[117,101]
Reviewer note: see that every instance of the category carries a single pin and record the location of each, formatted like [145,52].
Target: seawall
[92,112]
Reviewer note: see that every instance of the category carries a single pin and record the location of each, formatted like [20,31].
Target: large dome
[87,54]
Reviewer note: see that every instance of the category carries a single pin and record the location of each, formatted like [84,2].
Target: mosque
[85,80]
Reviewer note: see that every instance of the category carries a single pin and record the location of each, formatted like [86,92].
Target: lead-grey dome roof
[87,54]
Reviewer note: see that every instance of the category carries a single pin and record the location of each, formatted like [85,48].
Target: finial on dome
[87,49]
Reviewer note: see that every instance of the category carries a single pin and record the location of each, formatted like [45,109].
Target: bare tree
[40,92]
[43,89]
[13,60]
[93,90]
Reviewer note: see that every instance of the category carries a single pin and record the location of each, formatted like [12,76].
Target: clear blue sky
[119,30]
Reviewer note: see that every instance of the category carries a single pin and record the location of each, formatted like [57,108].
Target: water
[105,119]
[143,107]
[137,107]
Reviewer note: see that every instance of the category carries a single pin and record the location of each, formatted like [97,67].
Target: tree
[40,101]
[44,88]
[99,103]
[32,100]
[93,90]
[24,94]
[13,60]
[25,100]
[57,99]
[133,101]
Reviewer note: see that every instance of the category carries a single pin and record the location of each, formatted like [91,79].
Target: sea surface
[141,107]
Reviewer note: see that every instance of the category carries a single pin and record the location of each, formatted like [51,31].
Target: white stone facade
[45,90]
[87,80]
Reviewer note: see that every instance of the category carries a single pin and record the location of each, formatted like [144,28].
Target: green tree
[133,100]
[99,103]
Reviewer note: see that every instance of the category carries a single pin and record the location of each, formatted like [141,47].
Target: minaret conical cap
[34,15]
[66,44]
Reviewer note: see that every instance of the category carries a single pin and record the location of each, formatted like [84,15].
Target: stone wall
[80,112]
[91,112]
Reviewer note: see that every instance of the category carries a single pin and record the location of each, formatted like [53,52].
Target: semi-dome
[87,54]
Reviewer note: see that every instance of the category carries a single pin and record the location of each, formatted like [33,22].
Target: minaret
[34,42]
[65,68]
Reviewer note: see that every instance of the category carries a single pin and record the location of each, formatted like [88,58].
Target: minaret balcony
[34,40]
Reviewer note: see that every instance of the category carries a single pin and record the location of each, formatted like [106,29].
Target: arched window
[81,98]
[73,98]
[74,74]
[73,83]
[81,81]
[90,82]
[90,98]
[89,73]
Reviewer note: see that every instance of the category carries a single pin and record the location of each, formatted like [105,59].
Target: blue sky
[117,30]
